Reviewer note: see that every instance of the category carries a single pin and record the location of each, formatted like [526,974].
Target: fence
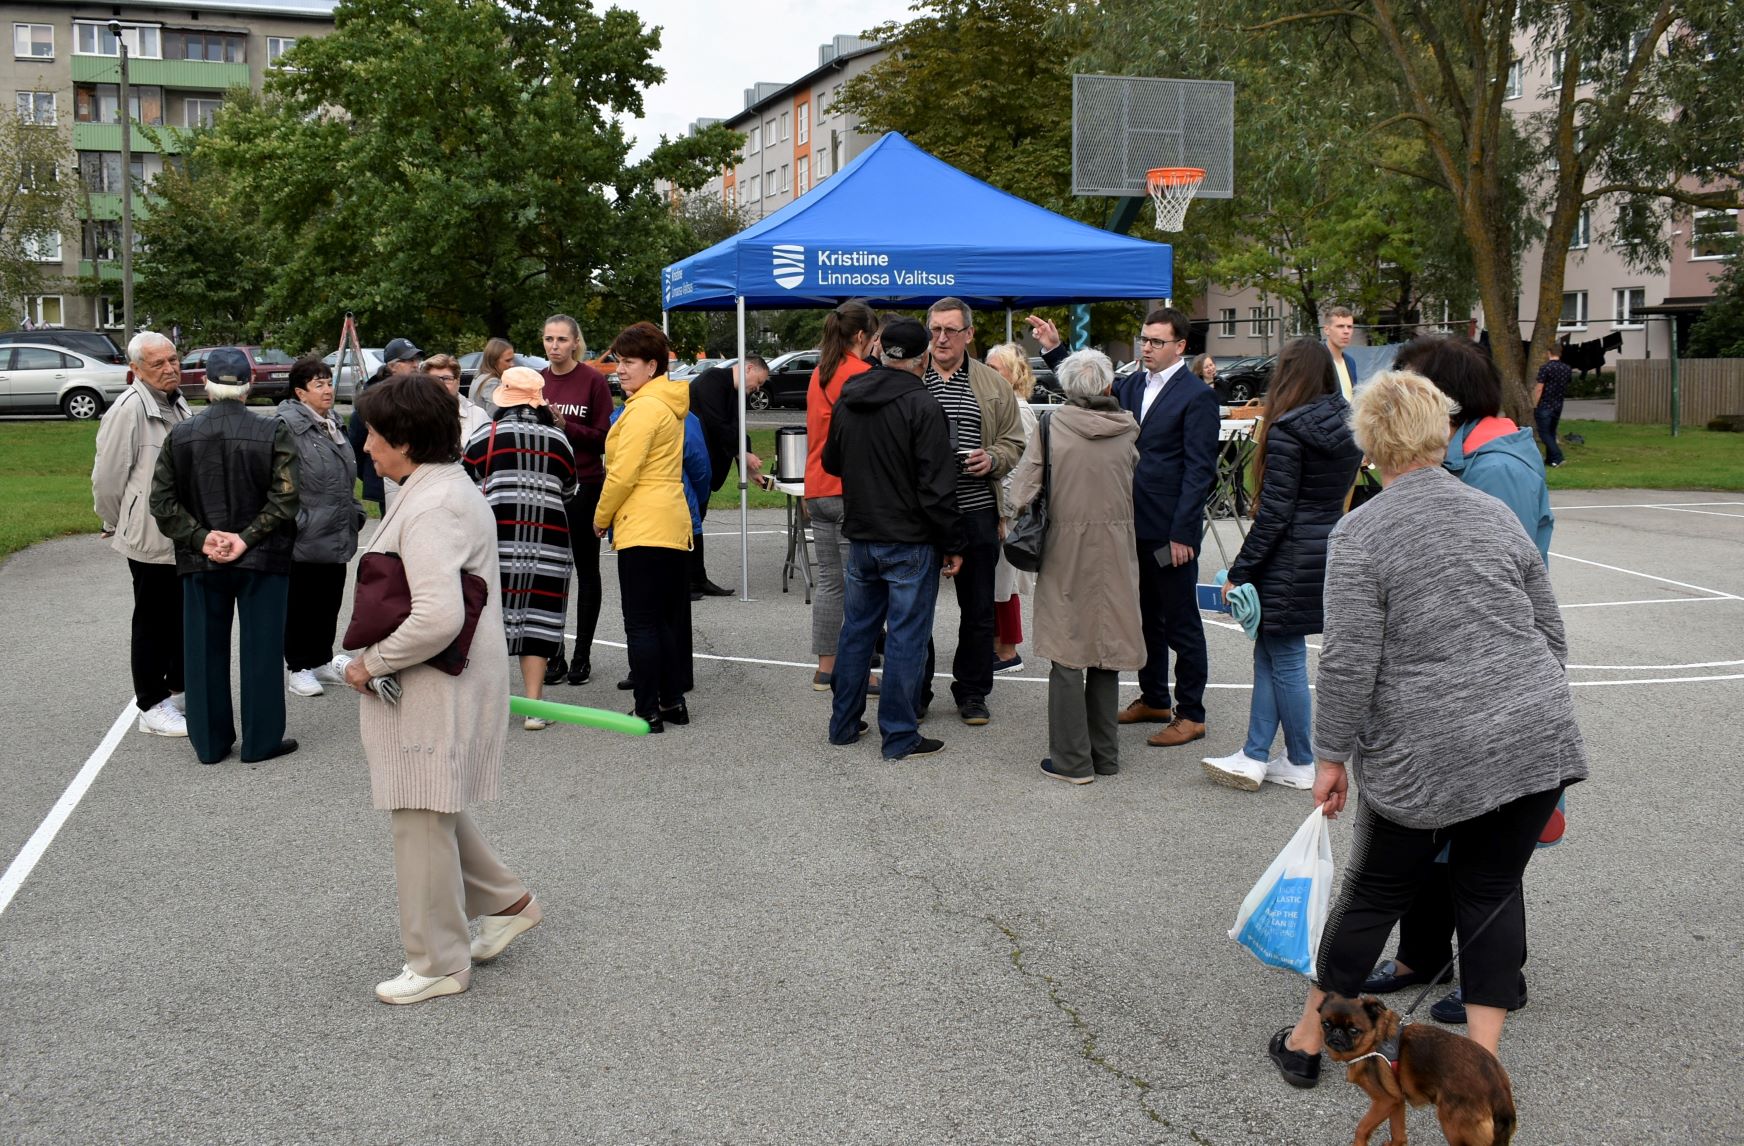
[1706,388]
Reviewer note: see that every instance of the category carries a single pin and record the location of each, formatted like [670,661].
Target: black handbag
[1029,532]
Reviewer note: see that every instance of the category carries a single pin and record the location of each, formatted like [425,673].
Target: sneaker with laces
[180,701]
[333,672]
[410,987]
[974,712]
[303,683]
[496,932]
[1237,770]
[535,723]
[163,719]
[1279,770]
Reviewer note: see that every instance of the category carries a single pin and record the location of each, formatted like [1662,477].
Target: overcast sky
[713,50]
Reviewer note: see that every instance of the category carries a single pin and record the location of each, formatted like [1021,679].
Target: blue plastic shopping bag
[1281,919]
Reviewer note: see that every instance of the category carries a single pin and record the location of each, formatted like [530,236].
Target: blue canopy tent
[899,227]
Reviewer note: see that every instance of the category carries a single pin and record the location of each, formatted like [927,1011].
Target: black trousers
[655,586]
[210,601]
[697,567]
[1426,930]
[972,664]
[585,548]
[156,653]
[1486,856]
[312,613]
[1168,602]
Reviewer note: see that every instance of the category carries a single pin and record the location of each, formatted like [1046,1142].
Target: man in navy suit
[1177,463]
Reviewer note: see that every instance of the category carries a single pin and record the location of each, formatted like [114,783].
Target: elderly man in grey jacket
[128,441]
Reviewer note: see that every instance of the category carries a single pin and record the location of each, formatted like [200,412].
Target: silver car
[345,381]
[44,379]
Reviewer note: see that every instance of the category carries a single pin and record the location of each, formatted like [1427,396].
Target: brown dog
[1418,1064]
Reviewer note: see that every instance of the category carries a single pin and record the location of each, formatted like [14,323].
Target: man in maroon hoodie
[580,396]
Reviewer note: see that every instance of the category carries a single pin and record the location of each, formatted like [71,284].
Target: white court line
[1708,512]
[1651,680]
[1649,576]
[1649,601]
[1657,668]
[1649,505]
[20,868]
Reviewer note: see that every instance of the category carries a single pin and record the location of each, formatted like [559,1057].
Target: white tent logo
[789,259]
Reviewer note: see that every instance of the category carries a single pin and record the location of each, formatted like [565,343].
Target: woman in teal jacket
[1487,451]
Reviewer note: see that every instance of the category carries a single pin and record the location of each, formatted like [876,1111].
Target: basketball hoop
[1173,188]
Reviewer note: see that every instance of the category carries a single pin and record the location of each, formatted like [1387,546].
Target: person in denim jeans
[1547,398]
[891,447]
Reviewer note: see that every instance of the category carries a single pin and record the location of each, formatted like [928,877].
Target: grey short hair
[953,304]
[144,341]
[1086,374]
[219,392]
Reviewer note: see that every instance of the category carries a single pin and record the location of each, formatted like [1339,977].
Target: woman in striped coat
[523,463]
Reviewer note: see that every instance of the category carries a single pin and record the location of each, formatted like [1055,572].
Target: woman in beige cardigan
[439,750]
[1086,593]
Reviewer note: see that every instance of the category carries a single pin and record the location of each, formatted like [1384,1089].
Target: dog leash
[1437,977]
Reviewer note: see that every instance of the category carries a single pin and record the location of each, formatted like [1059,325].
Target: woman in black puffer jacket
[1304,468]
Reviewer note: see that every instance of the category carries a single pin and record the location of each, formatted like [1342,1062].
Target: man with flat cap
[400,356]
[890,444]
[225,493]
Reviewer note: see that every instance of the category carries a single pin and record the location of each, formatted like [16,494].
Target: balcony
[107,137]
[110,272]
[200,75]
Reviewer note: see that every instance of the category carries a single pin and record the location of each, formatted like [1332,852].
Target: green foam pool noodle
[576,714]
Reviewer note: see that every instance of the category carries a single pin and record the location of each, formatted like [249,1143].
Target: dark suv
[90,343]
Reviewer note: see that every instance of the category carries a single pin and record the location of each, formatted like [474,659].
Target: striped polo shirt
[963,412]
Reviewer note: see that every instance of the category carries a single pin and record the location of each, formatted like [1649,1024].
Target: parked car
[92,344]
[345,381]
[789,380]
[684,371]
[38,379]
[270,370]
[1244,379]
[469,366]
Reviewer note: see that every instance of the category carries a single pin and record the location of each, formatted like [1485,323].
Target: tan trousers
[446,874]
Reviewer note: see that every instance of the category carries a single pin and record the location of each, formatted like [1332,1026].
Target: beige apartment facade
[63,70]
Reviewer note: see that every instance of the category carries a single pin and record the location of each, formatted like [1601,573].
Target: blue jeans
[1281,695]
[893,587]
[1546,418]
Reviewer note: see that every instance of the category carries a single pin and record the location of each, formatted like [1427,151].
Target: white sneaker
[163,719]
[303,683]
[496,932]
[1279,770]
[411,987]
[333,672]
[180,700]
[535,723]
[1237,770]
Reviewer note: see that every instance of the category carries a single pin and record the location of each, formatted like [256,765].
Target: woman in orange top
[849,332]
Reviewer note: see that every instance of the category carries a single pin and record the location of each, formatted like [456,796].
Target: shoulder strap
[1047,450]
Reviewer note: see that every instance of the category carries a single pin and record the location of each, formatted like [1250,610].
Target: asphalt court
[754,937]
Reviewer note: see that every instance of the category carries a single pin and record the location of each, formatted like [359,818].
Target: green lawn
[1648,457]
[763,445]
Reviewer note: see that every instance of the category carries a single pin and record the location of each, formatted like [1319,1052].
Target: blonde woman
[1009,584]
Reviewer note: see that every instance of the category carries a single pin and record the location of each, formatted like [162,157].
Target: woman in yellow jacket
[643,506]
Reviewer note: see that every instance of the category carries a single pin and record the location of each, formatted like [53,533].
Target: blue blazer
[1177,457]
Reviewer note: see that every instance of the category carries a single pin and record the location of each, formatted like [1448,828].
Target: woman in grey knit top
[1442,692]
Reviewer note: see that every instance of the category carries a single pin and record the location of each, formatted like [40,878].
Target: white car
[345,381]
[43,379]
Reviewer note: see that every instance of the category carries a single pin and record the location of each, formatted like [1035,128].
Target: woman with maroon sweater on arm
[582,400]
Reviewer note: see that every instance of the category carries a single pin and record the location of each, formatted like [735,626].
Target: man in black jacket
[714,399]
[891,446]
[225,492]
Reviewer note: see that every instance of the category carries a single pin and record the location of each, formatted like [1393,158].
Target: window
[109,312]
[37,107]
[199,112]
[1583,226]
[1227,316]
[42,248]
[43,309]
[754,140]
[1259,321]
[217,47]
[783,185]
[144,41]
[769,129]
[1516,80]
[33,41]
[804,128]
[1625,301]
[818,166]
[103,240]
[37,175]
[1574,310]
[784,127]
[1713,234]
[732,196]
[835,98]
[1558,60]
[277,46]
[101,103]
[753,188]
[101,171]
[801,175]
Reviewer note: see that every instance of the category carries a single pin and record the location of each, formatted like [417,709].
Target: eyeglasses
[1158,343]
[946,332]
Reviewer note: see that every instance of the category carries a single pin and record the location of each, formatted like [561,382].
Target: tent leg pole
[1008,324]
[663,327]
[744,487]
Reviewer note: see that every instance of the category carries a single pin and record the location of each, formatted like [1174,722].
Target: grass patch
[727,497]
[1616,456]
[45,482]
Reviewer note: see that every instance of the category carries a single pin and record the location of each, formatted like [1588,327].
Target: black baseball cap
[228,366]
[400,350]
[903,339]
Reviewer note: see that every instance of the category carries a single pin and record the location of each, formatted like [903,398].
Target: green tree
[38,200]
[1720,332]
[451,168]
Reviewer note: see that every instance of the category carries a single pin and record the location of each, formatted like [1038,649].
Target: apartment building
[182,57]
[795,135]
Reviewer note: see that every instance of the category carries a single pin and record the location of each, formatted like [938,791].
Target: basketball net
[1172,189]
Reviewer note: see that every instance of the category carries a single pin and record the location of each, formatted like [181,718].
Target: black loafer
[1300,1070]
[1450,1008]
[285,748]
[1385,979]
[677,714]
